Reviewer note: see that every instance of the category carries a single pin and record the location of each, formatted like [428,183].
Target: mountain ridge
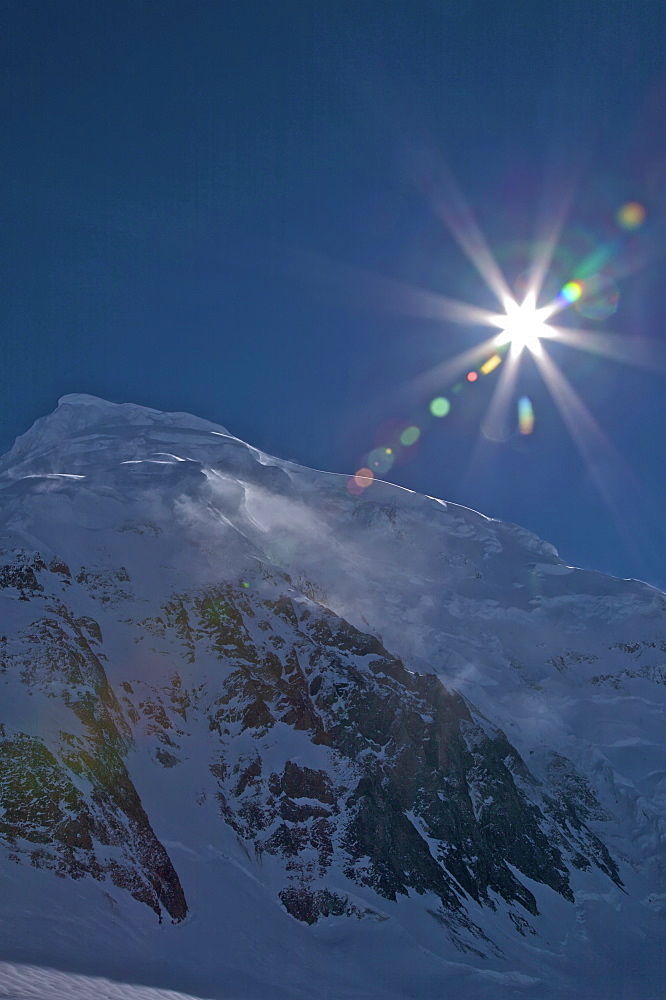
[381,712]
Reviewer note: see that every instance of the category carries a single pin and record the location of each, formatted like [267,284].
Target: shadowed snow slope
[261,738]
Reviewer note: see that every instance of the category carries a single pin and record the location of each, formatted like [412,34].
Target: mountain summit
[260,737]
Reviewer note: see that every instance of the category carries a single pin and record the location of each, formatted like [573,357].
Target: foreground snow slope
[257,733]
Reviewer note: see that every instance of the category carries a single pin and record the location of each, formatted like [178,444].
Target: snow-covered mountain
[263,738]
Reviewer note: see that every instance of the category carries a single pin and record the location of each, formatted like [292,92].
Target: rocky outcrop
[72,807]
[420,794]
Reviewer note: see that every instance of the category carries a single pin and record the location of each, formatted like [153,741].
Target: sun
[523,324]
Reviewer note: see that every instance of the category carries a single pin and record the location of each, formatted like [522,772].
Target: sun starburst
[523,324]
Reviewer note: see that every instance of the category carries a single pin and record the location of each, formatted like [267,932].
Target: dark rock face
[100,832]
[41,804]
[422,795]
[48,820]
[302,782]
[571,802]
[20,572]
[309,906]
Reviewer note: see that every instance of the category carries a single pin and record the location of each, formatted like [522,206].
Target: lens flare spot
[600,297]
[380,460]
[410,436]
[457,387]
[472,376]
[364,477]
[491,364]
[440,406]
[631,215]
[572,291]
[525,415]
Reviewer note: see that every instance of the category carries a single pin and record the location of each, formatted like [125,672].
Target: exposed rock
[309,906]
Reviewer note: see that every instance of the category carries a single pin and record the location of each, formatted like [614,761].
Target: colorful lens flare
[525,415]
[364,477]
[410,436]
[440,406]
[490,365]
[472,376]
[572,291]
[600,297]
[631,215]
[380,460]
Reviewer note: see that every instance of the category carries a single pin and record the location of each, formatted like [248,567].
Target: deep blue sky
[177,173]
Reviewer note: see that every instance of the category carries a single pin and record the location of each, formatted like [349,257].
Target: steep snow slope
[257,733]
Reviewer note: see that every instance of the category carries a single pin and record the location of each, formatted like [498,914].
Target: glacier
[263,738]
